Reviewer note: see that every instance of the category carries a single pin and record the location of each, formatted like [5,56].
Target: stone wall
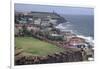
[68,56]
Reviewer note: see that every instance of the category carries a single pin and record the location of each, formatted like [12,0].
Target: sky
[58,9]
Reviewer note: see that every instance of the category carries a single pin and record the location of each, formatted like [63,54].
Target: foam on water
[69,27]
[64,26]
[88,39]
[60,27]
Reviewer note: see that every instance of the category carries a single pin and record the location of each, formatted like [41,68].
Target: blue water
[80,24]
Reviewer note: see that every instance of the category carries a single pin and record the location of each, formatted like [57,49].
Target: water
[79,24]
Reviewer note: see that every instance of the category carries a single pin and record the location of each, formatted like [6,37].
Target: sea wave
[87,38]
[64,26]
[60,26]
[69,27]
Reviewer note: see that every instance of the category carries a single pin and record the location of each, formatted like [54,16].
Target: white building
[37,21]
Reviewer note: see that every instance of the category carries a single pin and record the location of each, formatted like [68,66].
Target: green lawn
[35,46]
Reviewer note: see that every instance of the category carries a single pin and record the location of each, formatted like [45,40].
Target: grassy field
[35,46]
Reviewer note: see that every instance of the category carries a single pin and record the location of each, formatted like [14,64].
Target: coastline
[42,27]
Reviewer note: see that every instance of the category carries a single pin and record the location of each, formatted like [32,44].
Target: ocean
[82,25]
